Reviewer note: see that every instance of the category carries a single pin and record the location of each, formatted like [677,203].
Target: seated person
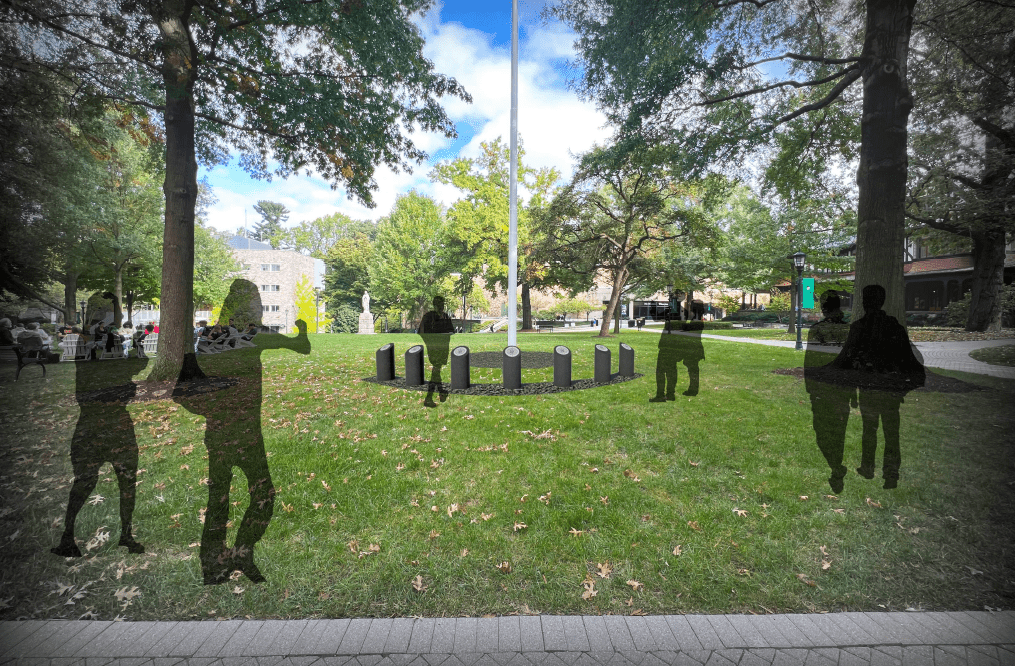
[127,334]
[138,341]
[6,335]
[36,340]
[113,337]
[18,329]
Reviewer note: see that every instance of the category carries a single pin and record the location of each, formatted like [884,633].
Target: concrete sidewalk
[832,639]
[943,355]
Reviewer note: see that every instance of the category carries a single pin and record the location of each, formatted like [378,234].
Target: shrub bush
[345,319]
[957,312]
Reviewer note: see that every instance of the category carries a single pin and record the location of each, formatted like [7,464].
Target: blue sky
[471,41]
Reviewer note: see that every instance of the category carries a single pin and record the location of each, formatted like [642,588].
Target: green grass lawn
[1003,355]
[712,503]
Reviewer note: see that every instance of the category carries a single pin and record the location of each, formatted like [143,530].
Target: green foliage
[729,303]
[242,304]
[213,264]
[411,257]
[273,216]
[317,237]
[345,319]
[348,276]
[574,306]
[957,312]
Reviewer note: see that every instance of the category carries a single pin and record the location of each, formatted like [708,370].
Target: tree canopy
[332,86]
[273,216]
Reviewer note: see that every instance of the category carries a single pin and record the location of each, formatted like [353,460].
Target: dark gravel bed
[531,360]
[537,388]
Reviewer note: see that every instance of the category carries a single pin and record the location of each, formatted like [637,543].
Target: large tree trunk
[612,306]
[688,313]
[70,293]
[176,358]
[988,278]
[881,175]
[118,292]
[526,307]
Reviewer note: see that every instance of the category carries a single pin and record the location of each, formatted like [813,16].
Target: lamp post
[317,310]
[798,262]
[83,303]
[669,296]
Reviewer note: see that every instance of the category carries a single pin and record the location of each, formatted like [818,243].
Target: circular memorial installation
[529,360]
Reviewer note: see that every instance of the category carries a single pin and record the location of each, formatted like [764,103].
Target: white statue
[366,302]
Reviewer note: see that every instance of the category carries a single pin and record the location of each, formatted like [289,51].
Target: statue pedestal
[366,323]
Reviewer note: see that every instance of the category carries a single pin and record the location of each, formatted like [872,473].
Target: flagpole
[513,223]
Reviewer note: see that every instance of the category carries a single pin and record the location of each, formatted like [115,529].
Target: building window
[270,287]
[271,267]
[244,267]
[269,308]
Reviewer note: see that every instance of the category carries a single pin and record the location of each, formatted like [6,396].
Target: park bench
[22,356]
[545,326]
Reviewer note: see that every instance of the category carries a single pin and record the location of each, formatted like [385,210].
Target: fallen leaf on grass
[635,584]
[96,500]
[974,572]
[486,516]
[677,550]
[504,567]
[871,502]
[520,526]
[740,512]
[804,498]
[417,584]
[126,596]
[638,611]
[465,551]
[693,524]
[842,511]
[237,590]
[589,589]
[452,509]
[434,534]
[575,532]
[693,464]
[631,475]
[805,580]
[825,565]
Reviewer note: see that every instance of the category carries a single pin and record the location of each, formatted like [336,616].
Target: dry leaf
[604,569]
[452,509]
[486,516]
[520,526]
[96,500]
[326,486]
[465,551]
[805,580]
[803,498]
[605,500]
[740,512]
[590,590]
[522,498]
[638,611]
[417,584]
[353,546]
[677,550]
[693,524]
[434,534]
[842,511]
[693,464]
[575,532]
[504,567]
[871,502]
[824,550]
[125,595]
[635,584]
[825,565]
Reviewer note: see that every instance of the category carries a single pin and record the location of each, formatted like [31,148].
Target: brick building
[276,274]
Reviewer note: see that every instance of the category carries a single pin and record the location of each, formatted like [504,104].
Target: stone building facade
[276,274]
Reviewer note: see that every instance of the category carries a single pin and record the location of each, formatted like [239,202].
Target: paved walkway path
[833,639]
[944,355]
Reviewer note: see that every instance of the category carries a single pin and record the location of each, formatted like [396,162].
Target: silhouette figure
[104,433]
[436,328]
[675,347]
[884,367]
[229,447]
[830,388]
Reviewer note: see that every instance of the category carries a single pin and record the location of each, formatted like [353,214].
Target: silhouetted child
[436,328]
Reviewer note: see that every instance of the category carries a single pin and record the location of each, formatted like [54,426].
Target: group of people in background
[223,336]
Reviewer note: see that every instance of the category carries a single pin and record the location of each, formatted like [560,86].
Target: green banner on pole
[808,292]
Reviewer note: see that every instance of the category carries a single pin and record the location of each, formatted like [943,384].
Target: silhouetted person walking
[104,433]
[880,355]
[235,440]
[436,328]
[830,388]
[673,347]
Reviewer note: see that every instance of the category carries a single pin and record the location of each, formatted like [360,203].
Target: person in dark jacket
[885,368]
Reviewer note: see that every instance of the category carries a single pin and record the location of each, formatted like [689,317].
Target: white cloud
[553,123]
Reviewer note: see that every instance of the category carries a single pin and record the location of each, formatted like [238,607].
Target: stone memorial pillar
[602,365]
[414,365]
[366,320]
[386,362]
[460,368]
[562,366]
[511,363]
[626,360]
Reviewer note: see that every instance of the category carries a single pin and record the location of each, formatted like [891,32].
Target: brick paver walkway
[833,639]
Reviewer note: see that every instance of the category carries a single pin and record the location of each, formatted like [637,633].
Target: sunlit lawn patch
[717,502]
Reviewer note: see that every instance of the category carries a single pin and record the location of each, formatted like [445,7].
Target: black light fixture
[83,303]
[798,262]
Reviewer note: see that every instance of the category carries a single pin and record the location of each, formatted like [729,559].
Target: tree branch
[851,73]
